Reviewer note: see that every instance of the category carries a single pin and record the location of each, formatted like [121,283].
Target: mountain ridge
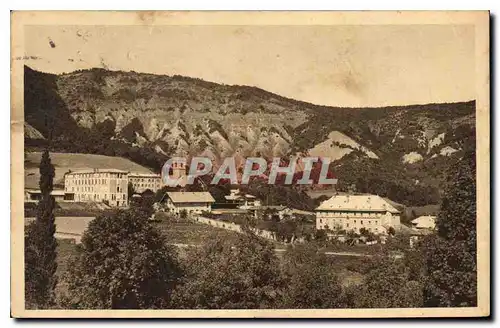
[257,88]
[147,118]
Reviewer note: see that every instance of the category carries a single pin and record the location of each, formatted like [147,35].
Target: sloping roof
[358,203]
[190,197]
[143,175]
[268,207]
[238,196]
[300,212]
[425,221]
[55,192]
[424,218]
[97,171]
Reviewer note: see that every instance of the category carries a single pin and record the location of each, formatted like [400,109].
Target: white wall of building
[196,208]
[143,182]
[372,221]
[98,186]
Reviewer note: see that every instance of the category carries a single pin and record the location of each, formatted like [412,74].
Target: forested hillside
[401,152]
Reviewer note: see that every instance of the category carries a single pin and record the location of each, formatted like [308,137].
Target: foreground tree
[451,270]
[451,256]
[225,274]
[123,263]
[310,279]
[40,244]
[390,284]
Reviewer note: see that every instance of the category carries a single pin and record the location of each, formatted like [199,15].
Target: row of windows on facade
[348,214]
[347,227]
[135,180]
[97,175]
[88,181]
[88,189]
[98,197]
[376,222]
[150,185]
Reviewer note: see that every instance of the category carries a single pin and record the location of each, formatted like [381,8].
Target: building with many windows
[97,185]
[145,181]
[354,212]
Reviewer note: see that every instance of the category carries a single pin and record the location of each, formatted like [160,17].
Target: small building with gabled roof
[424,222]
[189,201]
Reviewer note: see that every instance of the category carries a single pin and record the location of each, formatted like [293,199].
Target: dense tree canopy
[388,285]
[451,257]
[123,263]
[310,279]
[231,275]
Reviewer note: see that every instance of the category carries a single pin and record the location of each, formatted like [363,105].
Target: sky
[341,65]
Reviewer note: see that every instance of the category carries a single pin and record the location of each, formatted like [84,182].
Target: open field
[179,231]
[63,162]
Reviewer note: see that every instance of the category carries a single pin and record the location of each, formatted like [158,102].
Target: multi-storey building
[353,212]
[145,181]
[98,185]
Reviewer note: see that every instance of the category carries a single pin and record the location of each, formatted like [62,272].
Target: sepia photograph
[250,164]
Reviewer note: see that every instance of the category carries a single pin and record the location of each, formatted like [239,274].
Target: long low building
[34,195]
[354,212]
[191,202]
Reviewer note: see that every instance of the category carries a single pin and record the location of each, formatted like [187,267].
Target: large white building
[191,202]
[97,185]
[353,212]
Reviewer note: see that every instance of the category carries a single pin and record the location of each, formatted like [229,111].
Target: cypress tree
[40,244]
